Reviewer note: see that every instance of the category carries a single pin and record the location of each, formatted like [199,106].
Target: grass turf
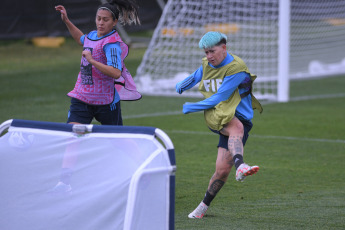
[299,145]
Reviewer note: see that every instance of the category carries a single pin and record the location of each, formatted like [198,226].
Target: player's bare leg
[68,163]
[234,129]
[224,164]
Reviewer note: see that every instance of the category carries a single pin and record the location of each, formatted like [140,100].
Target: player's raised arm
[73,30]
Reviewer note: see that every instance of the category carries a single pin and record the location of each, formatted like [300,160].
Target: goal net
[121,177]
[278,39]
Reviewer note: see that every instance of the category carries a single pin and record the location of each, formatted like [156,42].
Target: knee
[237,127]
[223,172]
[234,127]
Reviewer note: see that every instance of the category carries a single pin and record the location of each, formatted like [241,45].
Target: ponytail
[126,11]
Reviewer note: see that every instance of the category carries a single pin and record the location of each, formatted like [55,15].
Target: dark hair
[222,41]
[126,11]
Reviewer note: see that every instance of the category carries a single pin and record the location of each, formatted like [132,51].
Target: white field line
[313,97]
[301,98]
[153,114]
[263,136]
[309,97]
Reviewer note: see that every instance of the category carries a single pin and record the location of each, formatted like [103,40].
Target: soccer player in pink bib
[103,79]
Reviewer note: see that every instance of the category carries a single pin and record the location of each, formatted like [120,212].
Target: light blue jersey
[244,110]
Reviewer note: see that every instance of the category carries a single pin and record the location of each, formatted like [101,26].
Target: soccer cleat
[61,189]
[245,170]
[199,212]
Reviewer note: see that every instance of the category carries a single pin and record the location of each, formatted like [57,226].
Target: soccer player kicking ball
[226,83]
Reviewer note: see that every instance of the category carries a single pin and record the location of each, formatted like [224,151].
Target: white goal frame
[124,177]
[301,42]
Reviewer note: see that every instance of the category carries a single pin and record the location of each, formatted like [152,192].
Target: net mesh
[317,29]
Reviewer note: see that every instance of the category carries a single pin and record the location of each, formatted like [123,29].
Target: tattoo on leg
[215,187]
[235,145]
[226,156]
[238,146]
[231,162]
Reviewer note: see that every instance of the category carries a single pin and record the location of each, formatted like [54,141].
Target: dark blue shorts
[223,140]
[84,113]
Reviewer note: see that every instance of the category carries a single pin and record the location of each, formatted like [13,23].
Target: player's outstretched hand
[63,12]
[186,109]
[178,88]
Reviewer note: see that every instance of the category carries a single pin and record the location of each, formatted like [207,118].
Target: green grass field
[300,145]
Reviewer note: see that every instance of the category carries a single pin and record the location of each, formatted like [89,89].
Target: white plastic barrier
[121,177]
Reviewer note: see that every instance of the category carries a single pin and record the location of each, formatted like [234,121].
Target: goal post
[283,83]
[280,40]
